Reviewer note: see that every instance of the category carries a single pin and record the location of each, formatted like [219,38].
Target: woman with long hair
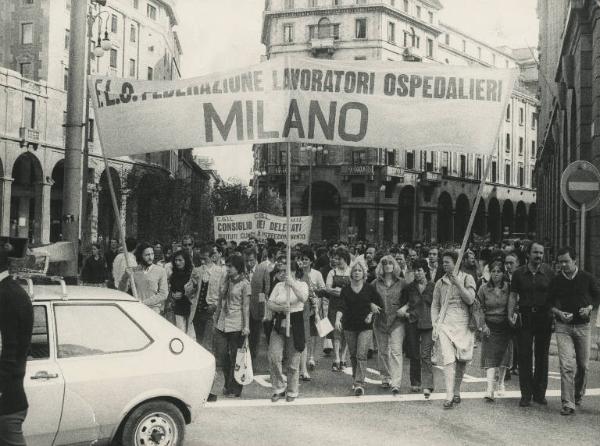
[288,295]
[389,326]
[452,297]
[338,278]
[178,301]
[496,350]
[232,322]
[359,302]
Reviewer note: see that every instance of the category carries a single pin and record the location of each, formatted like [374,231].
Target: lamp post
[102,45]
[311,151]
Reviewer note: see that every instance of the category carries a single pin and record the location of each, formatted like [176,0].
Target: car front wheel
[156,423]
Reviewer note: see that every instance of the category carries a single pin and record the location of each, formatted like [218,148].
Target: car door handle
[44,375]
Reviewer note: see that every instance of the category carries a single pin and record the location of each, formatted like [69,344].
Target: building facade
[34,75]
[569,127]
[390,194]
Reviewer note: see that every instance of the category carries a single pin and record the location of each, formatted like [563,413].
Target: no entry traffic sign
[580,185]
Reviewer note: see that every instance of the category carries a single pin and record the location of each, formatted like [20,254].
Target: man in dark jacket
[16,326]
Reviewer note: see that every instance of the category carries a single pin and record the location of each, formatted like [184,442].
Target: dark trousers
[533,339]
[11,429]
[226,346]
[419,345]
[203,327]
[256,328]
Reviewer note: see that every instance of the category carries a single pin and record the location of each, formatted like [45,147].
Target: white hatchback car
[105,369]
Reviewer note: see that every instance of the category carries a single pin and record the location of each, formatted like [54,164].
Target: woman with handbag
[359,301]
[390,325]
[450,313]
[316,286]
[232,322]
[288,296]
[496,350]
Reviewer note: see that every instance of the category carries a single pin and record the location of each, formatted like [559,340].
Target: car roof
[77,293]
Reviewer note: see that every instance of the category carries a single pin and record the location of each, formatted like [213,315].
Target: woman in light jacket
[232,322]
[454,294]
[289,295]
[389,325]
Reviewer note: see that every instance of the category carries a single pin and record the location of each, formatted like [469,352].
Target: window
[90,130]
[289,4]
[410,159]
[26,69]
[288,33]
[132,69]
[40,342]
[429,161]
[136,4]
[28,2]
[359,157]
[463,166]
[336,2]
[507,147]
[430,17]
[445,157]
[283,157]
[406,39]
[29,113]
[113,58]
[532,178]
[507,174]
[132,34]
[313,3]
[114,24]
[66,79]
[521,176]
[418,12]
[520,145]
[391,32]
[430,48]
[521,116]
[67,38]
[478,171]
[361,29]
[150,73]
[151,11]
[405,5]
[26,33]
[360,57]
[508,112]
[447,39]
[533,149]
[358,190]
[336,31]
[88,330]
[390,157]
[361,2]
[494,172]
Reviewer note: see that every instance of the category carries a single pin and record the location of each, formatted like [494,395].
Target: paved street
[326,412]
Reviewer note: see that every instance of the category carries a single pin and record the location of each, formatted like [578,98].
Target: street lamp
[258,174]
[311,151]
[100,47]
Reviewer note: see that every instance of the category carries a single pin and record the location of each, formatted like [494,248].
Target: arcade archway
[26,198]
[56,201]
[521,218]
[508,218]
[107,223]
[325,211]
[494,221]
[445,221]
[461,217]
[406,214]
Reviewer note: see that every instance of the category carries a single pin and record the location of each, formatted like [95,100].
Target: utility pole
[75,116]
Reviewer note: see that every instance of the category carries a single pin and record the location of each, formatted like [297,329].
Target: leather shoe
[290,399]
[543,401]
[525,402]
[567,411]
[456,399]
[277,396]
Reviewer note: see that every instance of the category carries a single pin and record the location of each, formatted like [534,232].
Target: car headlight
[176,346]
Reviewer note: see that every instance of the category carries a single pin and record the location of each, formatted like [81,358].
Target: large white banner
[262,226]
[404,105]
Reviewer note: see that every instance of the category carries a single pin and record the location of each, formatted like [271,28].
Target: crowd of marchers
[397,301]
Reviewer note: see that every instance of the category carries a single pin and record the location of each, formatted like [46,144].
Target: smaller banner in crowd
[261,226]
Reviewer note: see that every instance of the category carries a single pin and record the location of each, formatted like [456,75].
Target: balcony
[323,44]
[357,170]
[431,178]
[29,136]
[390,172]
[281,170]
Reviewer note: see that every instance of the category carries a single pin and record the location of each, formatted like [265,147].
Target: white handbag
[243,365]
[323,326]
